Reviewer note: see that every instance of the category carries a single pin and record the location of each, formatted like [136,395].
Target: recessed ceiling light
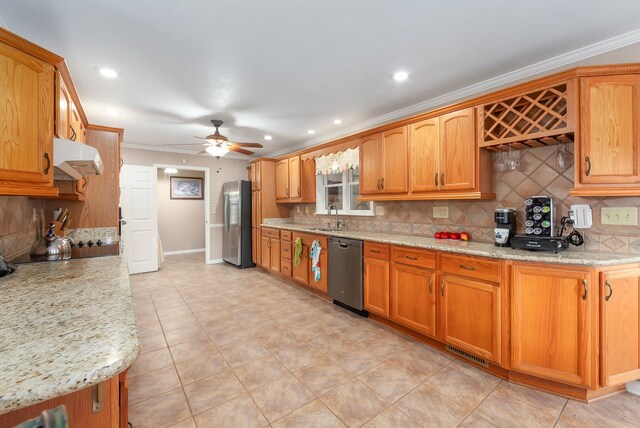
[400,76]
[311,131]
[337,121]
[107,72]
[268,137]
[112,112]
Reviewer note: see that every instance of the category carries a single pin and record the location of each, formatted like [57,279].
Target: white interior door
[139,202]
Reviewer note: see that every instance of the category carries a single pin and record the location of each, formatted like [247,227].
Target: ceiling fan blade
[239,150]
[256,145]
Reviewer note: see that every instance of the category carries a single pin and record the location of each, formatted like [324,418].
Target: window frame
[346,185]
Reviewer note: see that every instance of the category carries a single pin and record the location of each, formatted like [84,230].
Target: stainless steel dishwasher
[345,273]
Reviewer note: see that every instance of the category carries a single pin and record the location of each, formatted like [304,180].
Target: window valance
[337,162]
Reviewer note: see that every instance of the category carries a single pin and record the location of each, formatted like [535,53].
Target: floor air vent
[468,356]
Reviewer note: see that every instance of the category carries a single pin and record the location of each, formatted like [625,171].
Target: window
[342,190]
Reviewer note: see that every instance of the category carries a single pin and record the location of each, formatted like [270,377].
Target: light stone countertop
[64,326]
[581,258]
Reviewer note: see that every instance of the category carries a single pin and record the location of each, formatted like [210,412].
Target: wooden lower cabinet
[619,326]
[300,272]
[413,301]
[270,250]
[471,315]
[79,405]
[376,286]
[303,272]
[551,323]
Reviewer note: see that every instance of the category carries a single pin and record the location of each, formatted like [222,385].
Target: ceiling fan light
[217,151]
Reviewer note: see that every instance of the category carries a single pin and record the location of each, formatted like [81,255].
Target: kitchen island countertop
[483,249]
[64,326]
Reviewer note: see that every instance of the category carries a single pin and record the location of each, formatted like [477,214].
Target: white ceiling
[281,67]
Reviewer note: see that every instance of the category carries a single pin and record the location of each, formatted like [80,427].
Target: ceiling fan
[218,145]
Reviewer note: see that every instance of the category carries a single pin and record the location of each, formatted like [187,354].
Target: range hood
[73,160]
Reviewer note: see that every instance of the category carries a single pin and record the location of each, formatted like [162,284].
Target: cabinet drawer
[472,267]
[285,235]
[272,233]
[420,258]
[285,267]
[285,250]
[377,251]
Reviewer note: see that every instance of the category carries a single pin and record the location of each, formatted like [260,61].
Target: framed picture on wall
[186,188]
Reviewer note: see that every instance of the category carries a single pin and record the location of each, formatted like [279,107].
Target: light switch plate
[622,216]
[440,212]
[214,209]
[379,209]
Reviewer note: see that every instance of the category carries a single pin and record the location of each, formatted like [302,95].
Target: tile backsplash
[538,175]
[18,225]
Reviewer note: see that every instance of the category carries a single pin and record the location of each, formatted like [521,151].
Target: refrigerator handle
[226,212]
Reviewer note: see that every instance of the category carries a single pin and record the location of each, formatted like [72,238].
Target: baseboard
[174,253]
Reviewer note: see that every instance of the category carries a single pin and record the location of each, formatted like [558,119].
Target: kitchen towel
[315,260]
[297,251]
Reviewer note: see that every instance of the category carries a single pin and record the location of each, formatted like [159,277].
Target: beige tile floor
[223,347]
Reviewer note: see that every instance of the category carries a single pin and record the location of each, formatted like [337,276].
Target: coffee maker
[505,226]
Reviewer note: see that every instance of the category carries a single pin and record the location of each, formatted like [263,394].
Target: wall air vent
[468,356]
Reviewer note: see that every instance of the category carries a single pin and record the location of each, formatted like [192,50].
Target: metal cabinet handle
[410,257]
[98,398]
[588,161]
[586,289]
[442,288]
[382,183]
[467,267]
[73,134]
[442,179]
[608,296]
[287,191]
[84,182]
[48,159]
[298,190]
[375,251]
[378,184]
[436,178]
[431,285]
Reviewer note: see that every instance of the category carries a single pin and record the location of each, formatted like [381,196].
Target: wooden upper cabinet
[424,153]
[255,175]
[458,150]
[308,180]
[295,190]
[62,108]
[471,319]
[282,179]
[551,323]
[371,164]
[619,326]
[26,131]
[394,148]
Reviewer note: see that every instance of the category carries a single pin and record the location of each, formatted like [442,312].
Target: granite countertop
[582,258]
[64,326]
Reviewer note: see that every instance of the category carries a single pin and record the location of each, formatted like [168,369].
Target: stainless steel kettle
[52,247]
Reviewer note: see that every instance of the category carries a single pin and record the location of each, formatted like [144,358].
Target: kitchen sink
[322,229]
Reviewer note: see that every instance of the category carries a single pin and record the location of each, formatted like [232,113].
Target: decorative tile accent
[538,175]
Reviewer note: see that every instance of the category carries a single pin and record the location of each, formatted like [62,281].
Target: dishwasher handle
[342,245]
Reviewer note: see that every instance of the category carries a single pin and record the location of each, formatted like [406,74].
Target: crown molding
[475,89]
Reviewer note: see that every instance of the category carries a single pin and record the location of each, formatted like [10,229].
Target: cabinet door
[424,156]
[252,175]
[308,180]
[551,323]
[62,108]
[300,272]
[609,118]
[394,147]
[295,190]
[458,150]
[321,284]
[282,179]
[376,286]
[265,252]
[619,326]
[274,248]
[413,301]
[371,164]
[26,155]
[471,315]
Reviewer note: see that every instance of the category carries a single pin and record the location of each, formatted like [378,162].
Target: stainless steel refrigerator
[236,233]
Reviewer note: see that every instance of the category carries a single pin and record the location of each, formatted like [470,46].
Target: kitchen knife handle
[48,159]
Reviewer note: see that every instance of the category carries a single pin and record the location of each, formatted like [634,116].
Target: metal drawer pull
[442,288]
[410,257]
[608,296]
[98,397]
[586,289]
[375,251]
[588,161]
[430,285]
[467,267]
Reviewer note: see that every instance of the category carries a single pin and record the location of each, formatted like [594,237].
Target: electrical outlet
[440,212]
[379,209]
[297,209]
[622,216]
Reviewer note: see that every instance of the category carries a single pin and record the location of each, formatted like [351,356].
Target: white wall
[221,170]
[180,221]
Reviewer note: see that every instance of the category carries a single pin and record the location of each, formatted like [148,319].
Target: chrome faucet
[338,223]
